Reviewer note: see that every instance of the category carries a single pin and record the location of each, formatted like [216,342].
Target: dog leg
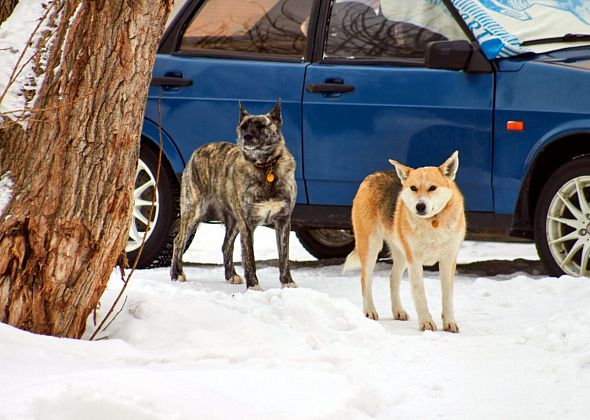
[368,250]
[282,231]
[248,260]
[188,225]
[425,321]
[231,232]
[447,267]
[395,279]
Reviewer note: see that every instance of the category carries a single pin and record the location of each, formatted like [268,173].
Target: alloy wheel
[568,226]
[143,195]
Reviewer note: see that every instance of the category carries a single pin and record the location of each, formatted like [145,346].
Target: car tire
[562,220]
[331,243]
[326,243]
[157,250]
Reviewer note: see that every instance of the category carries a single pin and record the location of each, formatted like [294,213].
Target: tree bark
[6,8]
[74,165]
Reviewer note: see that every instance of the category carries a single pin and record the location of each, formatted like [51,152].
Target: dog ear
[275,114]
[449,168]
[403,171]
[243,112]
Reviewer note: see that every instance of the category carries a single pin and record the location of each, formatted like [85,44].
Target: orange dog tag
[434,223]
[270,177]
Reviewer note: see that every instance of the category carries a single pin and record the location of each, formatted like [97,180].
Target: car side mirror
[448,55]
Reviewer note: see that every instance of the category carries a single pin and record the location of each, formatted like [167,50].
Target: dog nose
[247,137]
[421,208]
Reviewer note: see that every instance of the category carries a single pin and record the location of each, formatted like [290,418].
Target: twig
[13,76]
[139,251]
[117,314]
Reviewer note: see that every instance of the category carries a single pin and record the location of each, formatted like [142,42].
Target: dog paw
[450,326]
[372,314]
[428,325]
[235,279]
[181,278]
[256,288]
[400,315]
[290,285]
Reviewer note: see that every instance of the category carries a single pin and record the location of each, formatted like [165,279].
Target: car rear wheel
[562,220]
[157,250]
[326,243]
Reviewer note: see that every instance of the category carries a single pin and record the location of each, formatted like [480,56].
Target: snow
[17,47]
[6,184]
[207,349]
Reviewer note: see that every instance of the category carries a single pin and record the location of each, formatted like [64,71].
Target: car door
[219,52]
[369,97]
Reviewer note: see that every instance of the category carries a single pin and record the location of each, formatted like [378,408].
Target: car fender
[151,133]
[523,213]
[567,129]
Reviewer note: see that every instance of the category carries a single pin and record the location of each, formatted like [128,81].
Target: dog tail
[352,261]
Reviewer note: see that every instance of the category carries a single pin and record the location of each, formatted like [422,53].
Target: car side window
[388,28]
[277,27]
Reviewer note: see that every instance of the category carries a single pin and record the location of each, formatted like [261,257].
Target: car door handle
[170,81]
[329,88]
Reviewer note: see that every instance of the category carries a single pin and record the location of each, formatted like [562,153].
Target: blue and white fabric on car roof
[501,26]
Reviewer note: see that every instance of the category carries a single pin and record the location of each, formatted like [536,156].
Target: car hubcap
[332,237]
[568,226]
[143,195]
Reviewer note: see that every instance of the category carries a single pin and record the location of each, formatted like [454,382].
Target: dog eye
[432,188]
[414,188]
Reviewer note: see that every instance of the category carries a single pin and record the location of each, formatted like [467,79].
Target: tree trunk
[6,8]
[74,164]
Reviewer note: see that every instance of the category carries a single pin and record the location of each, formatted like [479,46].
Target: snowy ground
[208,350]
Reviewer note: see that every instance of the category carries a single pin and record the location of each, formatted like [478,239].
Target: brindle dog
[244,185]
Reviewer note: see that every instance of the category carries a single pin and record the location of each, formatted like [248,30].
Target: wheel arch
[543,160]
[150,137]
[157,249]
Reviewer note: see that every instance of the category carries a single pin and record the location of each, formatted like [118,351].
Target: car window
[388,28]
[249,26]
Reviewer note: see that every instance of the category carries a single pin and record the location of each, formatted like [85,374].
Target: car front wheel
[562,220]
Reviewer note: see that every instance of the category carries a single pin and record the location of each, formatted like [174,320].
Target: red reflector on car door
[515,125]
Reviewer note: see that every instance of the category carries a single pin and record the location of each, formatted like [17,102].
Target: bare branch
[18,68]
[102,326]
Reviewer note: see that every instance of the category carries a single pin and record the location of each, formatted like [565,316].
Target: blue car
[368,80]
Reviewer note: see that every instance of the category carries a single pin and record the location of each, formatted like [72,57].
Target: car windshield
[506,28]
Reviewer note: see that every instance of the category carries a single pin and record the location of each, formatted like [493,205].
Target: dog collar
[268,165]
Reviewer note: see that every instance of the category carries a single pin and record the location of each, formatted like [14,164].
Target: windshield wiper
[564,38]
